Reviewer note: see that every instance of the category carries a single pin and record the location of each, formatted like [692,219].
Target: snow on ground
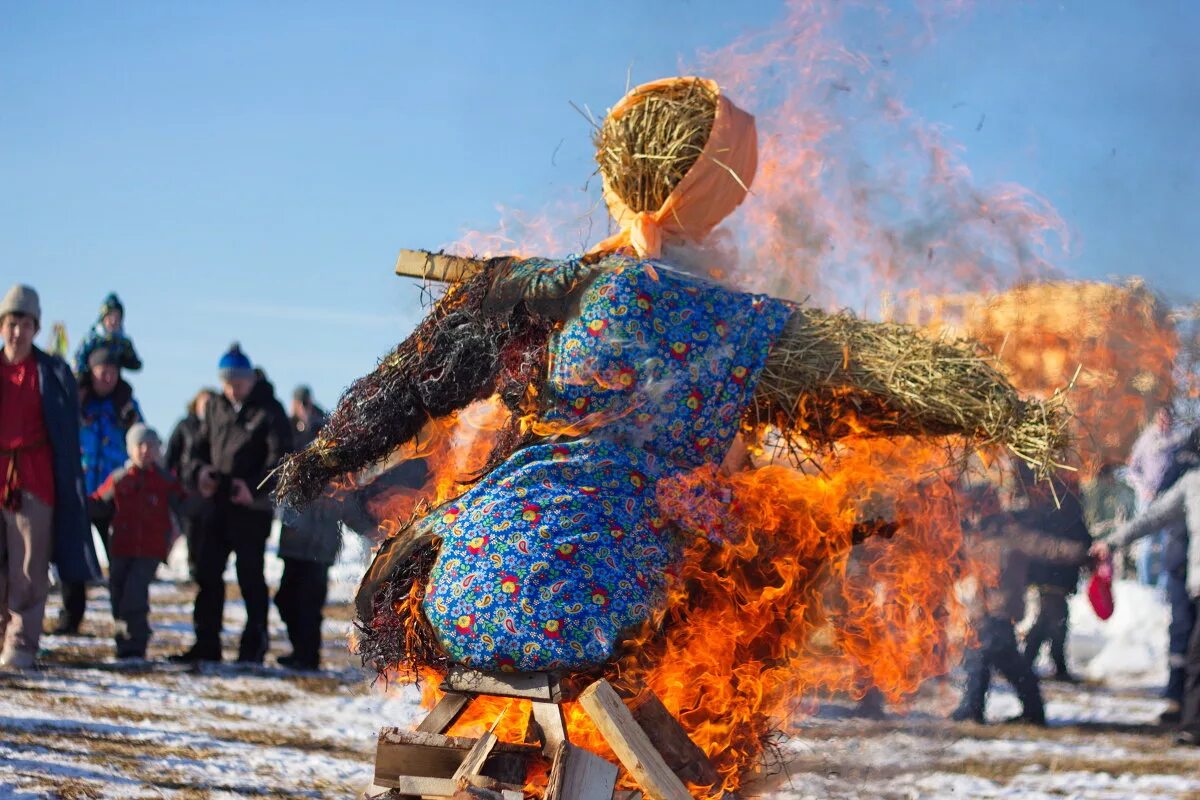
[85,726]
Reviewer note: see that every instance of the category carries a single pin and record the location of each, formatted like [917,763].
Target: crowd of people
[1047,533]
[75,452]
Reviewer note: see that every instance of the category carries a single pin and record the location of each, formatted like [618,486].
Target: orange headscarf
[714,186]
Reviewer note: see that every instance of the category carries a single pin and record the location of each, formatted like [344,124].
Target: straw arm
[832,375]
[451,360]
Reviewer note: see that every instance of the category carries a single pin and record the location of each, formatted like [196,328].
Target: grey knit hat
[139,433]
[21,299]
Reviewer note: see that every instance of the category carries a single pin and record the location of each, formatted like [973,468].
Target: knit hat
[103,356]
[140,433]
[21,299]
[111,303]
[235,364]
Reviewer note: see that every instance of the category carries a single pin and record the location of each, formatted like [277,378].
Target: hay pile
[1119,338]
[644,152]
[830,375]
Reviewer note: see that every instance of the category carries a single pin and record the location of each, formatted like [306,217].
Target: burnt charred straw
[457,355]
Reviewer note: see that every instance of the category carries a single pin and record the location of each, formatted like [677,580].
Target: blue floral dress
[549,559]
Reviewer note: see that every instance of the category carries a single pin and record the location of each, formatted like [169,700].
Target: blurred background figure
[108,410]
[308,544]
[180,449]
[1177,505]
[42,513]
[1148,462]
[108,332]
[1108,501]
[1053,510]
[138,498]
[1005,544]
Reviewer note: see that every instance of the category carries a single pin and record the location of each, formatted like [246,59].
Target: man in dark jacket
[1058,516]
[108,410]
[245,434]
[180,448]
[308,544]
[43,517]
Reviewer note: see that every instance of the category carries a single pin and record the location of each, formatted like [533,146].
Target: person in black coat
[180,448]
[1055,511]
[244,434]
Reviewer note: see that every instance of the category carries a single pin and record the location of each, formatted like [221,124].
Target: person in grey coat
[308,544]
[1178,504]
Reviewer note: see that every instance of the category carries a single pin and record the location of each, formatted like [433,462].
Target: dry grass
[644,152]
[831,374]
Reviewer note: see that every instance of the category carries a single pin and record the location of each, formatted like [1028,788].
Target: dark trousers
[129,586]
[300,599]
[1190,708]
[1050,626]
[242,533]
[1179,632]
[74,593]
[997,650]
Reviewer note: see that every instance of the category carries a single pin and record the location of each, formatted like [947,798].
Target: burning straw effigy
[582,549]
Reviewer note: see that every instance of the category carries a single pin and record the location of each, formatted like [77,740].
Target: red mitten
[1099,590]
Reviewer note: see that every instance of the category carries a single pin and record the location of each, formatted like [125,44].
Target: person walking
[1058,514]
[244,435]
[139,499]
[180,448]
[1006,545]
[308,545]
[43,517]
[108,410]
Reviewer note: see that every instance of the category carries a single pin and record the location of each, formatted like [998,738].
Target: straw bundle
[644,152]
[833,374]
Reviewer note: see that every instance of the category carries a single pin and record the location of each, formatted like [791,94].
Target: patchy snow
[85,726]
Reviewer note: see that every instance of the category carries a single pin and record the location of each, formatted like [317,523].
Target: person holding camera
[244,434]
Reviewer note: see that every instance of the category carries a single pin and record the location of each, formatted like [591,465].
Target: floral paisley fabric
[550,558]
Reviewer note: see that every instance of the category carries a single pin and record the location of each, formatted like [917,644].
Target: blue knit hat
[235,364]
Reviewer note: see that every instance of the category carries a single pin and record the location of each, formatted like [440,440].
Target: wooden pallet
[647,740]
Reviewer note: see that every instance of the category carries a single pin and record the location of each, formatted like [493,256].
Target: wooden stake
[630,743]
[669,738]
[441,267]
[478,754]
[576,774]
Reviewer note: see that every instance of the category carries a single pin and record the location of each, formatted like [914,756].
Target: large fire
[783,608]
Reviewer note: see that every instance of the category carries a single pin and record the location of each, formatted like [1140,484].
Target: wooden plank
[440,787]
[445,713]
[522,685]
[441,267]
[464,743]
[552,726]
[630,743]
[577,774]
[473,763]
[420,754]
[672,742]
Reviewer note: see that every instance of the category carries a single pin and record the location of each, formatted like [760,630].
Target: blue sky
[248,171]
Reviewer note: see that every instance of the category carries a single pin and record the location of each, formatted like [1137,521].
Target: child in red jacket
[140,497]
